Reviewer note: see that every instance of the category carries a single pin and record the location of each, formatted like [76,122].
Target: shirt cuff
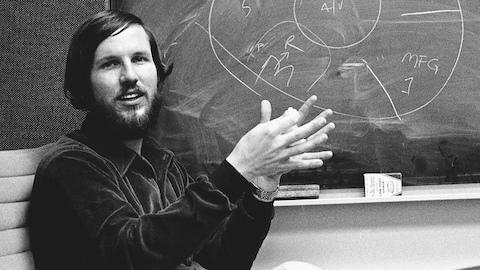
[257,209]
[229,181]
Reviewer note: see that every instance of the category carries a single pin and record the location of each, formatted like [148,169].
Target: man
[108,196]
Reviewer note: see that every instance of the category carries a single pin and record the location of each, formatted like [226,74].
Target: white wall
[375,234]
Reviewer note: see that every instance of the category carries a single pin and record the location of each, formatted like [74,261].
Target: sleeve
[236,243]
[127,238]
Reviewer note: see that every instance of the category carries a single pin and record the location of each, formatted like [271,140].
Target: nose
[128,75]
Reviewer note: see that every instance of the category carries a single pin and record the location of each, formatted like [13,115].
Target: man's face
[124,81]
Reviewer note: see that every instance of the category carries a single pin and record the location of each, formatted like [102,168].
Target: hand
[277,146]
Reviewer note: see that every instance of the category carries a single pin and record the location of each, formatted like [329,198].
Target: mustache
[131,91]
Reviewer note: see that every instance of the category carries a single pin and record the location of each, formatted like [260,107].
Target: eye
[109,64]
[140,59]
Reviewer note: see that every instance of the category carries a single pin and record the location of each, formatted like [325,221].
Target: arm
[236,243]
[126,234]
[262,156]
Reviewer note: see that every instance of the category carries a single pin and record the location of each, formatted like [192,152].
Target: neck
[135,144]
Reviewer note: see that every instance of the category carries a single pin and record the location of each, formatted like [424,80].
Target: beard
[131,126]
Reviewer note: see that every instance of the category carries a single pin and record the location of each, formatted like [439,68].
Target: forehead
[132,39]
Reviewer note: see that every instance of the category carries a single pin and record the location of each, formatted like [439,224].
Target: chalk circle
[330,21]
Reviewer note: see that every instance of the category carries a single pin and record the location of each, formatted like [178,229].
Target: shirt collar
[94,134]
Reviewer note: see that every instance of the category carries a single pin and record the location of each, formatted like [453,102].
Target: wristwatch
[263,195]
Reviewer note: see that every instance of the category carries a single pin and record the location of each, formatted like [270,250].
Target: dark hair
[82,49]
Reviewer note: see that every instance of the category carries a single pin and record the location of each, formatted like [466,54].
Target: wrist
[239,166]
[263,194]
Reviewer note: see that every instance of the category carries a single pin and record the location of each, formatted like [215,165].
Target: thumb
[266,111]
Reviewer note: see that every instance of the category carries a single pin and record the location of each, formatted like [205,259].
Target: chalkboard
[402,76]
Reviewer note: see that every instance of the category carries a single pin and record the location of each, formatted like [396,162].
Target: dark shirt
[97,204]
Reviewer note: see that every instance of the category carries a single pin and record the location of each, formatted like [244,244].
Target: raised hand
[277,146]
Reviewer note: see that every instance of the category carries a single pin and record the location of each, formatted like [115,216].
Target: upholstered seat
[17,171]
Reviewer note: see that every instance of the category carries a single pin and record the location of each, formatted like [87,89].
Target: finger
[265,111]
[305,109]
[298,142]
[304,131]
[308,160]
[297,164]
[326,129]
[291,118]
[323,155]
[285,123]
[305,147]
[326,113]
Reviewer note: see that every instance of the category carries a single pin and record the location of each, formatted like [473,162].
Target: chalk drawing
[415,62]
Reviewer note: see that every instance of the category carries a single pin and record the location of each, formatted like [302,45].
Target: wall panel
[34,42]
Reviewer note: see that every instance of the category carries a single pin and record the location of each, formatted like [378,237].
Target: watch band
[263,195]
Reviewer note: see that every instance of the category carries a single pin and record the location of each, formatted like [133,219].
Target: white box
[382,184]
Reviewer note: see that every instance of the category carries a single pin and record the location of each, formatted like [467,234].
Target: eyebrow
[111,57]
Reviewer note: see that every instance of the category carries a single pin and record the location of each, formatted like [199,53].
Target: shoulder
[69,154]
[65,147]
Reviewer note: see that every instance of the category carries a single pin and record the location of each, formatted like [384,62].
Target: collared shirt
[97,204]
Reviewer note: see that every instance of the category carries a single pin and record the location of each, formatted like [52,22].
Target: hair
[85,40]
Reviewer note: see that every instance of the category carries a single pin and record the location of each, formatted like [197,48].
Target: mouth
[131,96]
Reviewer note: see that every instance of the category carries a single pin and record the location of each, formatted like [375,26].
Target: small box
[382,184]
